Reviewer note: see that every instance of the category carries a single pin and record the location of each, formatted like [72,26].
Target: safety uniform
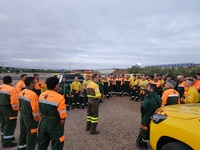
[38,86]
[134,89]
[20,86]
[158,85]
[126,87]
[53,109]
[8,112]
[110,91]
[192,96]
[181,89]
[148,107]
[118,86]
[170,96]
[106,88]
[76,87]
[197,85]
[65,91]
[29,118]
[93,95]
[143,87]
[85,83]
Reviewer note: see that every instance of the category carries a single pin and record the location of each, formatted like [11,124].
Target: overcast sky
[98,34]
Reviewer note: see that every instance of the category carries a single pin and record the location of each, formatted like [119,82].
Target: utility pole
[69,66]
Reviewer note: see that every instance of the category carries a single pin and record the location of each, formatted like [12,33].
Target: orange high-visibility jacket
[9,95]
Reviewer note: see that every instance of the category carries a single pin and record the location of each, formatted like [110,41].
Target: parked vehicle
[176,127]
[70,77]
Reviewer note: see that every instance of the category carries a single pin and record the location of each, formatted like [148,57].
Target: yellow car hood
[183,111]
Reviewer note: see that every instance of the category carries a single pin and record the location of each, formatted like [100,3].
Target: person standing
[93,95]
[151,102]
[39,85]
[143,84]
[29,116]
[53,114]
[192,95]
[170,95]
[181,86]
[85,83]
[21,85]
[76,87]
[8,111]
[65,91]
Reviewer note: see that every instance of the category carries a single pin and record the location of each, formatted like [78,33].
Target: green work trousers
[50,129]
[28,132]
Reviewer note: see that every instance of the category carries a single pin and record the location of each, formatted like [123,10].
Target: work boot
[73,106]
[68,108]
[94,132]
[132,98]
[9,145]
[77,106]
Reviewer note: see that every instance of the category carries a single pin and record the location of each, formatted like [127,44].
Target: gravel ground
[119,121]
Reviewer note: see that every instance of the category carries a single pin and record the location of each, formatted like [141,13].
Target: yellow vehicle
[176,127]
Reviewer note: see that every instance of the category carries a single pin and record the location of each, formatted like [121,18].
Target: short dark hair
[153,87]
[7,79]
[35,74]
[191,81]
[52,82]
[28,81]
[23,75]
[94,76]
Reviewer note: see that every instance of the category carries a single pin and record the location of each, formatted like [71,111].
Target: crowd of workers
[53,99]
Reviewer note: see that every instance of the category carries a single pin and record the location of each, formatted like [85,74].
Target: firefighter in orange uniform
[170,95]
[196,83]
[39,85]
[181,86]
[21,85]
[8,111]
[29,116]
[53,114]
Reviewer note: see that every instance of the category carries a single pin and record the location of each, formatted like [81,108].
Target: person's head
[189,82]
[194,78]
[23,77]
[36,76]
[163,77]
[87,77]
[29,82]
[198,76]
[76,78]
[95,77]
[152,88]
[155,78]
[7,79]
[180,78]
[63,79]
[53,83]
[170,84]
[142,76]
[169,77]
[159,77]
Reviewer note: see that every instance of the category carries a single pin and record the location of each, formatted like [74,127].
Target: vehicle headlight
[157,118]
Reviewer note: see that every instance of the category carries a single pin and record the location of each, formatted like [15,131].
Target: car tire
[176,146]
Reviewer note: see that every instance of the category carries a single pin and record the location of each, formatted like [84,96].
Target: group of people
[48,108]
[185,90]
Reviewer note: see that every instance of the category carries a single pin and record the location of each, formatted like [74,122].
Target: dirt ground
[119,121]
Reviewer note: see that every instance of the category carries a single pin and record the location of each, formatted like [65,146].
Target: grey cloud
[98,34]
